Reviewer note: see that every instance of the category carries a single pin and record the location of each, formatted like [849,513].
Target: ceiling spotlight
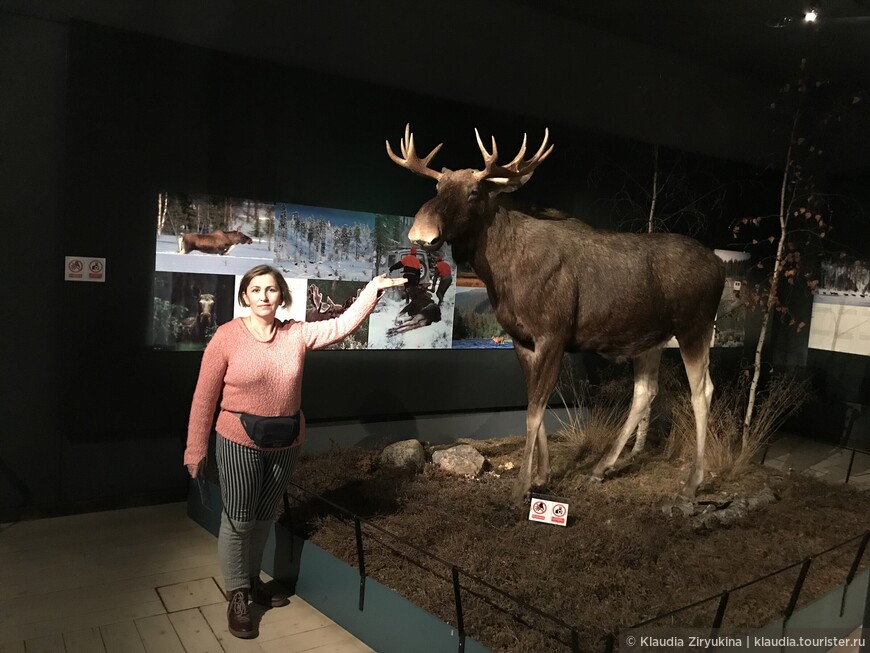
[811,15]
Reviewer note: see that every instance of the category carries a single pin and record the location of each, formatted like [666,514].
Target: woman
[254,365]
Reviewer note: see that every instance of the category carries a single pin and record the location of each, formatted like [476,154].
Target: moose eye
[473,193]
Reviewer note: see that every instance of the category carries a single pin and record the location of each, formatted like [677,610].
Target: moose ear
[497,185]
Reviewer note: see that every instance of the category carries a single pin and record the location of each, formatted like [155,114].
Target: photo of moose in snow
[212,235]
[217,242]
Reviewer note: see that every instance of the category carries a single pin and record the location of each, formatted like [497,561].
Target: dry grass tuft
[727,455]
[596,414]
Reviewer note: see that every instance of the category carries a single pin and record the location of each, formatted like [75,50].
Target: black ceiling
[764,39]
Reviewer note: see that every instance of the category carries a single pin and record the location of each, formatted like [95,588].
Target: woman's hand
[383,281]
[195,469]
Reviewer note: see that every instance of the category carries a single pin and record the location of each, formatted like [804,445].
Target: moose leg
[652,378]
[646,369]
[696,358]
[642,429]
[541,369]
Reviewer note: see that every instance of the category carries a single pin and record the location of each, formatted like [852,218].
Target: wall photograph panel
[204,244]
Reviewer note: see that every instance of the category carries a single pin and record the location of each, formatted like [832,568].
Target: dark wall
[32,129]
[510,55]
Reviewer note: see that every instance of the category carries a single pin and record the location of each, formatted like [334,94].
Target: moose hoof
[602,473]
[688,491]
[521,496]
[592,478]
[679,507]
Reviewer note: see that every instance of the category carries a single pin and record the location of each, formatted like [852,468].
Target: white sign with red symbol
[549,510]
[84,268]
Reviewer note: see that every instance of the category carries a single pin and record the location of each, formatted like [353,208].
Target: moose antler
[315,296]
[517,171]
[409,158]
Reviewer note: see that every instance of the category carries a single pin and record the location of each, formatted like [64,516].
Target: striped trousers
[252,482]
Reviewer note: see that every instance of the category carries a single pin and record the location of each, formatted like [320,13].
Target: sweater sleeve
[205,398]
[325,332]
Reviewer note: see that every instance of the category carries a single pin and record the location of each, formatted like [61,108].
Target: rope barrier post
[796,592]
[460,621]
[854,569]
[360,556]
[720,614]
[865,646]
[764,454]
[575,641]
[851,462]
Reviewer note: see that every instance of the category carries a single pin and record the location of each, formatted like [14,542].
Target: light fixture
[811,15]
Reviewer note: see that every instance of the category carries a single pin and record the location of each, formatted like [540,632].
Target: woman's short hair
[286,299]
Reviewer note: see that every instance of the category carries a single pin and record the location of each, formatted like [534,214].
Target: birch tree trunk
[772,295]
[651,220]
[162,201]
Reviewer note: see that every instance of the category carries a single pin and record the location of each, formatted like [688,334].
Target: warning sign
[549,510]
[84,268]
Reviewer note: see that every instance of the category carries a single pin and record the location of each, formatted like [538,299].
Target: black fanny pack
[271,432]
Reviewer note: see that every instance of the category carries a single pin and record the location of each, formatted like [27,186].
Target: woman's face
[263,296]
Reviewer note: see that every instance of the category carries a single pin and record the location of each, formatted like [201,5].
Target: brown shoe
[238,616]
[262,595]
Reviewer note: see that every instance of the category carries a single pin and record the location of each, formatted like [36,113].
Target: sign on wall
[84,268]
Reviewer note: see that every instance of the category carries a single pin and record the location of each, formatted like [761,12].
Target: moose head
[466,198]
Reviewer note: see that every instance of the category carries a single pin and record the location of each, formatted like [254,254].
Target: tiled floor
[141,580]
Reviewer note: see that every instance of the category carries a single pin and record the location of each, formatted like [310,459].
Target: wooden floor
[137,580]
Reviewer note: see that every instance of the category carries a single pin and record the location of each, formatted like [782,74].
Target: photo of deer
[188,308]
[325,300]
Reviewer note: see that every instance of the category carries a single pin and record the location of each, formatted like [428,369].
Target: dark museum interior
[105,104]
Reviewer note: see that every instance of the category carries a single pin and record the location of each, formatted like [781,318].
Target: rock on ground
[407,453]
[462,460]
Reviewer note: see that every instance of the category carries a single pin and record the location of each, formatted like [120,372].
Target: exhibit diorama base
[405,610]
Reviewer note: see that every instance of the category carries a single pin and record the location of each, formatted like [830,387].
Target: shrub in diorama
[595,412]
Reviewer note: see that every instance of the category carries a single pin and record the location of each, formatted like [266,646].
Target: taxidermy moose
[622,295]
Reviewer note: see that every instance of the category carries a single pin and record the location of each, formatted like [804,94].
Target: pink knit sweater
[261,378]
